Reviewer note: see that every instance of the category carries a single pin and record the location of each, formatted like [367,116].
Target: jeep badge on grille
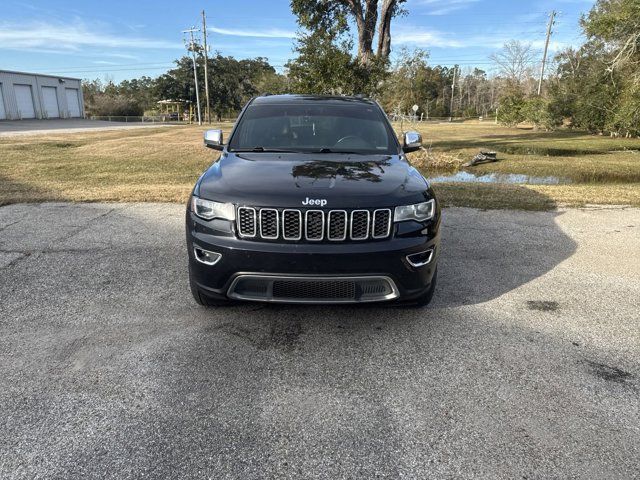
[314,201]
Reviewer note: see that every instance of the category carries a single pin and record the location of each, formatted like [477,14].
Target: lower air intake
[315,289]
[291,289]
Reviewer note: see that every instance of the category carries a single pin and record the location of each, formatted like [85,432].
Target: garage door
[50,100]
[3,113]
[24,99]
[73,102]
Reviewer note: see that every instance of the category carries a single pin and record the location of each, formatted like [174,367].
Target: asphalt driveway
[527,364]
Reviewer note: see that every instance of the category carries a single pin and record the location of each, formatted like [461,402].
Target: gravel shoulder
[527,364]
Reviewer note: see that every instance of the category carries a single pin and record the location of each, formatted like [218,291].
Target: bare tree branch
[515,60]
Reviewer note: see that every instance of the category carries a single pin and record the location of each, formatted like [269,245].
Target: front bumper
[242,257]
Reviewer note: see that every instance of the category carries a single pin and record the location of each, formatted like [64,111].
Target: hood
[292,180]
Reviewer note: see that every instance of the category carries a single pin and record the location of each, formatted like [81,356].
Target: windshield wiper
[266,150]
[328,150]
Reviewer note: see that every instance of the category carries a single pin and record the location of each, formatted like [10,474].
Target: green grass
[601,170]
[162,164]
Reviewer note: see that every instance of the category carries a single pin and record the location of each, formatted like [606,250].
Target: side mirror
[412,142]
[213,139]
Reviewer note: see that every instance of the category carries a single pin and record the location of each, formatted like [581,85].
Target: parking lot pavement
[526,365]
[69,125]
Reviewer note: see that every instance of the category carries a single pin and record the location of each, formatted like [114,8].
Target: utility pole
[453,88]
[192,46]
[546,47]
[206,70]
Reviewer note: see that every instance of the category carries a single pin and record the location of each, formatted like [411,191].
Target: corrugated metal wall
[12,111]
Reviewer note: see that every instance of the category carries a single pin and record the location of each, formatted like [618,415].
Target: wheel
[203,299]
[426,297]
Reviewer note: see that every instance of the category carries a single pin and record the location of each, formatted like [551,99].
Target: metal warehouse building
[31,95]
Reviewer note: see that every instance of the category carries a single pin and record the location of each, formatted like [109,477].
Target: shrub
[537,111]
[104,105]
[510,109]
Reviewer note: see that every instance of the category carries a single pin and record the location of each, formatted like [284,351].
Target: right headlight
[209,210]
[419,212]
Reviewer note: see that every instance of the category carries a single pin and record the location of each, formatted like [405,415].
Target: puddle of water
[514,178]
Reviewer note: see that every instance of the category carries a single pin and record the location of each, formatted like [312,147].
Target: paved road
[526,366]
[10,128]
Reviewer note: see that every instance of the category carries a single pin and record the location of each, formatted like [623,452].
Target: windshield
[321,128]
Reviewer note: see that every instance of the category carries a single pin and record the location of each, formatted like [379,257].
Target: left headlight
[209,210]
[419,211]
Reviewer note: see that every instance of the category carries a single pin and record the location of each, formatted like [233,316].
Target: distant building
[31,95]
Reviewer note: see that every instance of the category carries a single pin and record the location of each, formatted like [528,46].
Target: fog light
[206,257]
[420,259]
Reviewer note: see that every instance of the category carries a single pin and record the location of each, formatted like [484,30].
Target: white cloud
[269,33]
[424,37]
[444,7]
[126,56]
[71,37]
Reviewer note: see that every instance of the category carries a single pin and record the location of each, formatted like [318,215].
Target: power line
[83,67]
[485,14]
[55,72]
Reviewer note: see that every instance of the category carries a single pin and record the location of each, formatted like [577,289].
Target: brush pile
[428,158]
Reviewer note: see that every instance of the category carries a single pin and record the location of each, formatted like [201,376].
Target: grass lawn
[602,170]
[162,165]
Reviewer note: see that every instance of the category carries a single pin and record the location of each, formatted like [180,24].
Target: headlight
[420,212]
[208,210]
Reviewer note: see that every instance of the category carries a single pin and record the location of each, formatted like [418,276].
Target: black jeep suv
[312,201]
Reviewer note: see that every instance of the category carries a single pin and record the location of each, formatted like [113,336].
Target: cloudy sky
[124,39]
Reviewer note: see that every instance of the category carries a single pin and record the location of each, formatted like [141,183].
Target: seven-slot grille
[313,225]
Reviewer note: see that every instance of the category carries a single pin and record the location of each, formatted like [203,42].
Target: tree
[232,82]
[597,87]
[333,16]
[515,61]
[510,112]
[616,23]
[108,99]
[325,66]
[412,81]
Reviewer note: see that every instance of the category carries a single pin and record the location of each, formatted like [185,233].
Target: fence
[395,117]
[138,119]
[163,118]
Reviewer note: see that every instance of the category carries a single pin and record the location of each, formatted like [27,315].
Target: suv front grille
[337,220]
[313,225]
[247,221]
[291,224]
